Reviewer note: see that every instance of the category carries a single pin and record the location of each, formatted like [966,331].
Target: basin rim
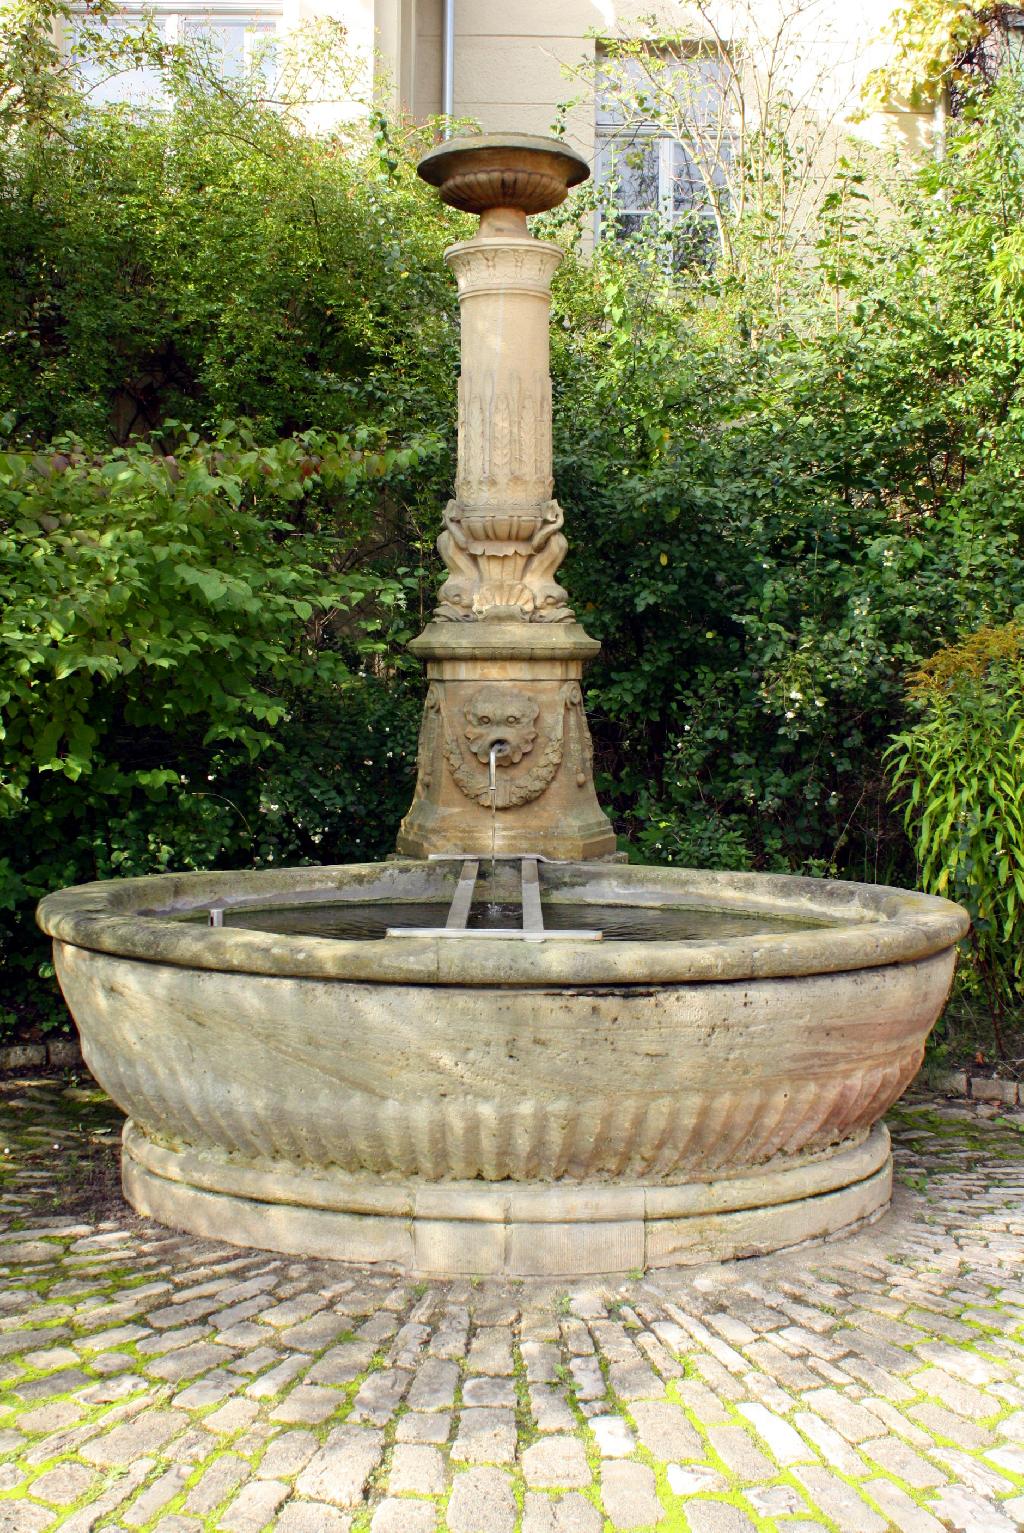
[875,925]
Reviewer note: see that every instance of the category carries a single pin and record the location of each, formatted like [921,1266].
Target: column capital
[510,265]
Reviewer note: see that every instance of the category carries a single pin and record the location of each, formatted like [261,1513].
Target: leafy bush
[779,527]
[960,767]
[216,262]
[165,620]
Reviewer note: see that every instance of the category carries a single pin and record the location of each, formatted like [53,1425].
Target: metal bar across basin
[462,899]
[533,915]
[532,929]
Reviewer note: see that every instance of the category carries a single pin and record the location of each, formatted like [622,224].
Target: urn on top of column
[516,171]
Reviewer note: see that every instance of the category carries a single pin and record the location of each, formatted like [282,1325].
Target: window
[659,179]
[999,47]
[233,41]
[233,44]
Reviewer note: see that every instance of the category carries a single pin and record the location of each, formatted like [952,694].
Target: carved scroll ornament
[505,560]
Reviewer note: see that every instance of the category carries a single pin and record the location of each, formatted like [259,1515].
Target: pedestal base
[515,685]
[515,1229]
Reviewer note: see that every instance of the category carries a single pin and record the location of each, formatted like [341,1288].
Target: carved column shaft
[505,384]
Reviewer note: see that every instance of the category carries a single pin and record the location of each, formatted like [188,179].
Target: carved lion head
[498,713]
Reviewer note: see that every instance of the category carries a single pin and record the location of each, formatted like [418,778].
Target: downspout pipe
[448,63]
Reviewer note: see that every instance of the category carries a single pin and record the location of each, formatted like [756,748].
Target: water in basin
[619,923]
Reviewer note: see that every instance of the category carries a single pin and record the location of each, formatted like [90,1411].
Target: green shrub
[169,624]
[216,262]
[768,534]
[959,769]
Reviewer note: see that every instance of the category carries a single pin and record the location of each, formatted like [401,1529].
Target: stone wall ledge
[60,1053]
[981,1088]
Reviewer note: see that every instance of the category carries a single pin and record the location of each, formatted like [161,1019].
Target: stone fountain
[503,1051]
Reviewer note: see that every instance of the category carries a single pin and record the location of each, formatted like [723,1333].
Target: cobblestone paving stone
[151,1382]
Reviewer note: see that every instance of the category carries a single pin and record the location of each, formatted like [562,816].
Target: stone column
[504,390]
[504,653]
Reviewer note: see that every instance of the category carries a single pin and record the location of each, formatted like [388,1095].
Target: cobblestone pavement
[152,1381]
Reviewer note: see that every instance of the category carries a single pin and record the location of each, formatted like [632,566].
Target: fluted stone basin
[467,1105]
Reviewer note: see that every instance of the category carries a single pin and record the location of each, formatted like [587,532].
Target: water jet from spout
[499,748]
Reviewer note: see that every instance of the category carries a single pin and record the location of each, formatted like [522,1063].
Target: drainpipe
[448,63]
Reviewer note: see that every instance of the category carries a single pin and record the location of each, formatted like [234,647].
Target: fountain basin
[474,1105]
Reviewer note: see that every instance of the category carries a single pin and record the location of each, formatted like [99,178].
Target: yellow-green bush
[960,771]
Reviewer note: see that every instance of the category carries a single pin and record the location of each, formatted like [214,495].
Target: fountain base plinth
[513,1229]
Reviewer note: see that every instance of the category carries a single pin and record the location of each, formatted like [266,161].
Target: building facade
[534,64]
[512,65]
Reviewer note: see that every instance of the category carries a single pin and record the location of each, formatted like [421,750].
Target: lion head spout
[496,714]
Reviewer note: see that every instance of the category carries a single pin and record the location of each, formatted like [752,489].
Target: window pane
[644,228]
[694,242]
[702,90]
[619,77]
[230,44]
[632,164]
[642,92]
[688,189]
[105,83]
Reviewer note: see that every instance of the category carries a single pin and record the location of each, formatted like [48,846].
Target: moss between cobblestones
[526,1432]
[733,1494]
[974,1133]
[377,1481]
[176,1503]
[675,1520]
[108,1479]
